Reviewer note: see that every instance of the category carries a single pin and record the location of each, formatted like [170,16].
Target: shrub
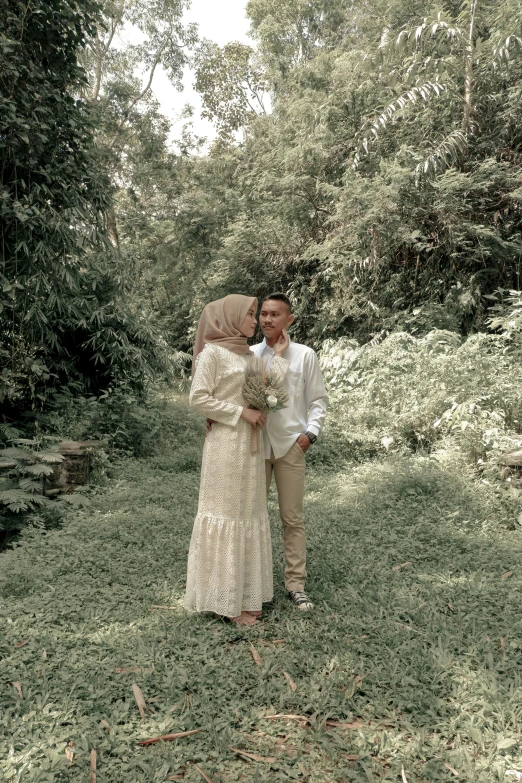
[22,486]
[409,392]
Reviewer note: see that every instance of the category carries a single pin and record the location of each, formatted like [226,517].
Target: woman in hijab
[230,557]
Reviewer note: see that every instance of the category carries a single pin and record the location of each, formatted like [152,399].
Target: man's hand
[303,443]
[210,422]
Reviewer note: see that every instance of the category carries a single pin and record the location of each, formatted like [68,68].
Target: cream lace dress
[230,556]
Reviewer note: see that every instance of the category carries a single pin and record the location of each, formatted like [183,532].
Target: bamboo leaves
[447,153]
[422,92]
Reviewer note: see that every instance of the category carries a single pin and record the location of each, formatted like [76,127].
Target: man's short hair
[279,297]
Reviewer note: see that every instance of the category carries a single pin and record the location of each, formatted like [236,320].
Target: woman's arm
[202,390]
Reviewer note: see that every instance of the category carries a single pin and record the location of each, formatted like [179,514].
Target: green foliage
[423,393]
[133,140]
[430,215]
[133,426]
[230,85]
[26,464]
[65,314]
[506,315]
[53,189]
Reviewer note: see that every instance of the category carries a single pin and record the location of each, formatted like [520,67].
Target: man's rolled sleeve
[315,395]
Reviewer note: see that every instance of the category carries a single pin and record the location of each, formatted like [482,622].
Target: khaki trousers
[289,473]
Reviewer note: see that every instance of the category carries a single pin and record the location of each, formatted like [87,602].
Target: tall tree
[63,318]
[121,80]
[232,85]
[53,189]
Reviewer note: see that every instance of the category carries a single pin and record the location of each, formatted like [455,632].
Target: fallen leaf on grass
[278,641]
[403,625]
[253,756]
[140,701]
[402,565]
[288,717]
[335,724]
[69,753]
[21,644]
[403,775]
[18,687]
[255,655]
[162,606]
[180,774]
[92,766]
[502,643]
[453,771]
[105,725]
[303,718]
[283,746]
[289,680]
[350,756]
[506,574]
[450,607]
[203,774]
[168,737]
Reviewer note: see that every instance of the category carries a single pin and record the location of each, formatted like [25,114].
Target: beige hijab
[219,324]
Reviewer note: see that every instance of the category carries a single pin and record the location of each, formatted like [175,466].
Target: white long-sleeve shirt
[307,403]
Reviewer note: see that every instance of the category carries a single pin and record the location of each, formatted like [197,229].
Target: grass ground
[409,669]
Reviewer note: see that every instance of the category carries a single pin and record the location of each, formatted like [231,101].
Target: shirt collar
[266,347]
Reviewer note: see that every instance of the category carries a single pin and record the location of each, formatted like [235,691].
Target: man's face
[274,317]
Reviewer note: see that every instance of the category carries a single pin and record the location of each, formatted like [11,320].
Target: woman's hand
[282,343]
[253,417]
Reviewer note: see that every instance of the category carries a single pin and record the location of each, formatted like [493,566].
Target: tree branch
[101,51]
[253,91]
[142,94]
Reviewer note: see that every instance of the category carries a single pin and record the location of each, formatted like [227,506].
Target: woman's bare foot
[245,618]
[254,614]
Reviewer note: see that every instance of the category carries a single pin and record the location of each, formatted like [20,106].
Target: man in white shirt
[289,433]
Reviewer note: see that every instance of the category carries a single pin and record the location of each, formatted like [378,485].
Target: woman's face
[249,323]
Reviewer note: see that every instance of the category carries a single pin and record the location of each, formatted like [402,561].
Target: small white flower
[271,401]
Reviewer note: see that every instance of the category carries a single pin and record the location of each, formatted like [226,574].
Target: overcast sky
[221,21]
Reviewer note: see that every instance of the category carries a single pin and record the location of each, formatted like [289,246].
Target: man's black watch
[311,437]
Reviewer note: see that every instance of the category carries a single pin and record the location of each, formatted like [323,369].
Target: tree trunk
[468,73]
[98,57]
[112,228]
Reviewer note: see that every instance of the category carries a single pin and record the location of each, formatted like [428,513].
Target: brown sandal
[243,619]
